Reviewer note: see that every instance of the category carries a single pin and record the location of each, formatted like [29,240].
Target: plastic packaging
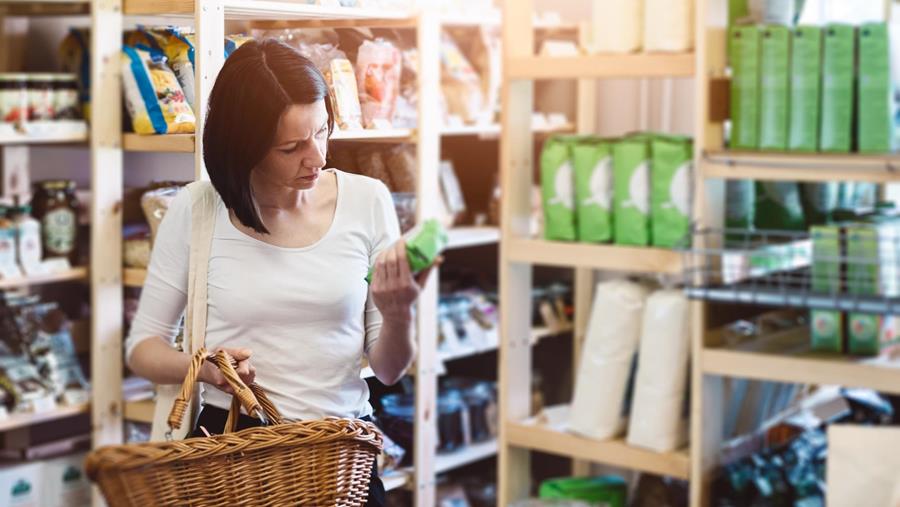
[341,78]
[610,345]
[155,203]
[557,190]
[424,243]
[671,182]
[153,96]
[460,83]
[75,57]
[631,191]
[617,26]
[378,69]
[178,46]
[668,25]
[234,41]
[658,413]
[592,162]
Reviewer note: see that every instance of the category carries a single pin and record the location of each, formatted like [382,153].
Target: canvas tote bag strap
[203,221]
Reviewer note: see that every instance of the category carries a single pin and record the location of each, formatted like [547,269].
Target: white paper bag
[617,26]
[657,419]
[609,347]
[863,466]
[668,25]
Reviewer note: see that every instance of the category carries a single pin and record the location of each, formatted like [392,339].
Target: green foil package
[631,191]
[424,243]
[557,189]
[875,100]
[592,162]
[671,182]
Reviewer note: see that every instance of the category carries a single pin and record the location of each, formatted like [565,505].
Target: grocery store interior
[650,253]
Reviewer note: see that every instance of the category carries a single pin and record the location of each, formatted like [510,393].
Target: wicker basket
[321,463]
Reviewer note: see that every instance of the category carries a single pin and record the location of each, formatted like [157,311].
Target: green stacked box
[806,88]
[631,190]
[838,77]
[775,47]
[671,184]
[744,50]
[608,491]
[778,206]
[827,326]
[557,189]
[592,161]
[875,101]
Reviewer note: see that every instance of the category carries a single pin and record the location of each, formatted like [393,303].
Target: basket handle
[268,408]
[243,394]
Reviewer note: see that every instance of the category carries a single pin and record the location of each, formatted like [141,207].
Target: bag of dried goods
[378,80]
[155,203]
[558,193]
[341,79]
[460,83]
[75,55]
[155,100]
[234,41]
[178,46]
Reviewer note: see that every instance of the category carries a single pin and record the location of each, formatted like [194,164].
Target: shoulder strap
[203,221]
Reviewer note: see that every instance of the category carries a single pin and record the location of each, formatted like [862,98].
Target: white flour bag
[668,25]
[617,26]
[610,345]
[657,419]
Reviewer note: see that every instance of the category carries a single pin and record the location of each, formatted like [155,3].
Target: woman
[287,295]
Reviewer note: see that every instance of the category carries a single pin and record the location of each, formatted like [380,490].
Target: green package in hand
[558,190]
[424,243]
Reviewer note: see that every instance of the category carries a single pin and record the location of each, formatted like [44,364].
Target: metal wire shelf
[849,267]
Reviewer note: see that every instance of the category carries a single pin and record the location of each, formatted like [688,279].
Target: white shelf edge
[444,462]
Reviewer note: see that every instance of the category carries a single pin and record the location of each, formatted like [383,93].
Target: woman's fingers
[403,272]
[422,276]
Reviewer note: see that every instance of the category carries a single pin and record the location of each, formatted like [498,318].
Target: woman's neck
[273,195]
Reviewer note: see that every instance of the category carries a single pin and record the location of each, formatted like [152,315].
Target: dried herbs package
[424,243]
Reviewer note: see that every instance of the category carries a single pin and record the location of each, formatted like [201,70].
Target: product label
[59,231]
[13,106]
[7,247]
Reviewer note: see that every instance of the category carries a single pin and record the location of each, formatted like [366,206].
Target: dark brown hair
[258,82]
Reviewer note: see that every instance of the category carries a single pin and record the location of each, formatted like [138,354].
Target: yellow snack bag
[178,46]
[153,96]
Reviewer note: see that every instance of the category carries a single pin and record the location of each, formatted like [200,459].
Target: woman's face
[298,152]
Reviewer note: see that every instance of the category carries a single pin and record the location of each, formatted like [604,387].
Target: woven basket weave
[318,463]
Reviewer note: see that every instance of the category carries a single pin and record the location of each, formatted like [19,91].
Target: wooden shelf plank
[801,167]
[602,257]
[374,135]
[16,421]
[133,277]
[173,143]
[537,334]
[74,274]
[601,66]
[44,132]
[615,452]
[493,130]
[879,374]
[445,462]
[282,10]
[139,411]
[469,236]
[45,7]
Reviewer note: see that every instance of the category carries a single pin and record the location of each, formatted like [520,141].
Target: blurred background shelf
[16,421]
[812,167]
[605,257]
[71,275]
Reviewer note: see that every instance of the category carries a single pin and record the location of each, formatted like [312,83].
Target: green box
[778,206]
[806,88]
[671,185]
[873,257]
[826,330]
[775,53]
[743,47]
[838,78]
[631,191]
[875,101]
[557,189]
[608,491]
[592,162]
[864,334]
[828,248]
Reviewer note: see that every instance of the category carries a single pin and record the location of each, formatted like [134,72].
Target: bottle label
[59,231]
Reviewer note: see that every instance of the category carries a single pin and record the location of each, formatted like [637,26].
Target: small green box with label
[806,88]
[875,100]
[744,50]
[826,330]
[775,56]
[838,78]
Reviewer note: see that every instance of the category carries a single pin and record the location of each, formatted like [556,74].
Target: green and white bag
[631,194]
[671,181]
[592,162]
[557,190]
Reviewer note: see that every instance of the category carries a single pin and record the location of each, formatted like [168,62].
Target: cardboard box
[775,47]
[838,78]
[65,483]
[744,49]
[21,485]
[827,254]
[875,101]
[826,330]
[806,89]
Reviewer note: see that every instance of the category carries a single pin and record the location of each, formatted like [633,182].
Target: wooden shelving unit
[742,165]
[133,277]
[600,66]
[72,275]
[17,421]
[466,236]
[173,143]
[606,257]
[45,132]
[446,462]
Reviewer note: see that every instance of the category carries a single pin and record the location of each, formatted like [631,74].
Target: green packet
[424,243]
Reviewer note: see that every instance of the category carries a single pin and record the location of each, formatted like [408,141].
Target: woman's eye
[292,149]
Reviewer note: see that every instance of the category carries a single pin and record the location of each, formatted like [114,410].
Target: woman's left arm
[394,290]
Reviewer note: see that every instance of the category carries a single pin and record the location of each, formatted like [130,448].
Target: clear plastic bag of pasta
[178,46]
[153,96]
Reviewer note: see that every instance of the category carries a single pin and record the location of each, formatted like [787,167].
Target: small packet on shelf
[178,46]
[153,96]
[378,68]
[424,243]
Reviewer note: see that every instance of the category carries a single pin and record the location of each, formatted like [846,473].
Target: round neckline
[337,209]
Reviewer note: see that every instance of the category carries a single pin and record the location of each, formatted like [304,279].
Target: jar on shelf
[13,98]
[54,205]
[65,97]
[40,97]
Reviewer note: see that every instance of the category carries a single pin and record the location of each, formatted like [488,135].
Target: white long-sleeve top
[306,313]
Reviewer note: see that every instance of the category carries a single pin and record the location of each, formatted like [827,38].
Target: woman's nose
[315,156]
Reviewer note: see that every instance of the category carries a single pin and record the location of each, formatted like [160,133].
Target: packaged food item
[558,194]
[405,206]
[828,243]
[454,203]
[876,105]
[65,97]
[820,200]
[8,266]
[341,79]
[838,78]
[136,253]
[774,88]
[178,46]
[424,243]
[668,25]
[806,85]
[55,206]
[592,163]
[13,98]
[826,329]
[460,83]
[378,80]
[153,97]
[743,49]
[631,191]
[778,206]
[617,26]
[155,203]
[658,412]
[609,490]
[671,181]
[401,163]
[370,162]
[482,50]
[75,57]
[450,421]
[31,395]
[601,403]
[234,41]
[40,97]
[28,240]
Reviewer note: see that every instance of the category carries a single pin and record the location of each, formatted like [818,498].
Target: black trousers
[213,419]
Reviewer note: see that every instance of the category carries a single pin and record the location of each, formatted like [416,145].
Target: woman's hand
[394,288]
[211,375]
